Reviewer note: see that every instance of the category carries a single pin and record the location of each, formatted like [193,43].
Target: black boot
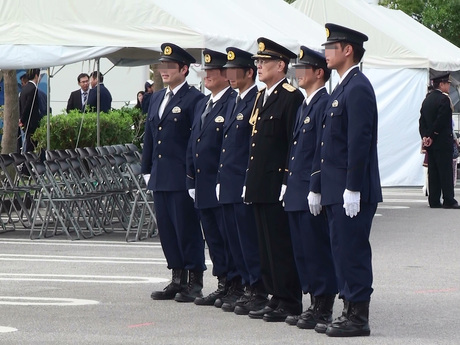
[193,289]
[177,284]
[257,301]
[294,319]
[235,291]
[210,299]
[320,315]
[354,324]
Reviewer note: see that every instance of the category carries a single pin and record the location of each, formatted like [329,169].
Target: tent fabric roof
[131,33]
[395,39]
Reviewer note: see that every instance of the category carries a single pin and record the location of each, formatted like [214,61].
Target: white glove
[351,202]
[243,194]
[218,191]
[191,192]
[314,203]
[146,178]
[282,192]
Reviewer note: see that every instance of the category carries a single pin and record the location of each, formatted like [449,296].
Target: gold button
[198,140]
[159,128]
[237,126]
[255,130]
[221,165]
[226,135]
[322,160]
[253,144]
[258,118]
[322,143]
[332,114]
[198,170]
[280,170]
[217,129]
[223,150]
[295,142]
[196,154]
[252,157]
[159,156]
[159,142]
[290,174]
[324,126]
[271,117]
[292,158]
[175,119]
[303,131]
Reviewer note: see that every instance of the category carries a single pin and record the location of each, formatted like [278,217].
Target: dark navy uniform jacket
[204,150]
[306,137]
[235,149]
[349,143]
[436,121]
[270,142]
[166,139]
[105,100]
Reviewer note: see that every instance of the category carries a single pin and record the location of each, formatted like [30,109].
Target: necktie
[165,102]
[302,112]
[206,111]
[238,99]
[85,98]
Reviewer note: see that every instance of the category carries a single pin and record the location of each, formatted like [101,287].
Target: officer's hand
[191,192]
[218,191]
[282,192]
[146,178]
[314,203]
[351,202]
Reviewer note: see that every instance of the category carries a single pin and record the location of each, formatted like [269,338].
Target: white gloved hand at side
[351,202]
[282,192]
[243,193]
[191,192]
[314,203]
[218,191]
[146,178]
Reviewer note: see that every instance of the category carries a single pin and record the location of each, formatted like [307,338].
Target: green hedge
[125,125]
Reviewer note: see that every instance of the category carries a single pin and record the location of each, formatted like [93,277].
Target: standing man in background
[436,132]
[79,98]
[29,113]
[273,120]
[347,180]
[167,132]
[105,97]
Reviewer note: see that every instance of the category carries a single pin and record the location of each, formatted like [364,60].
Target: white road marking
[70,278]
[13,300]
[389,207]
[385,200]
[4,329]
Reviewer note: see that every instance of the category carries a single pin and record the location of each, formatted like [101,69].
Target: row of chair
[80,192]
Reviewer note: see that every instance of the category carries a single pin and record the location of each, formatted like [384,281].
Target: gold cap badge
[207,58]
[230,55]
[261,46]
[301,54]
[327,33]
[168,50]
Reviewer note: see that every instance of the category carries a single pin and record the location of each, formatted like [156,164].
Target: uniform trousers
[180,231]
[278,267]
[212,220]
[351,250]
[440,177]
[240,227]
[312,252]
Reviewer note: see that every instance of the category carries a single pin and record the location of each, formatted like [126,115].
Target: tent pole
[48,126]
[98,90]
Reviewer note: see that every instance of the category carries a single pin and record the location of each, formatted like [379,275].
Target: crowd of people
[282,188]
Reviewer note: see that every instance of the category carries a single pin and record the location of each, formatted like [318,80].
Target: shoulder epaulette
[289,87]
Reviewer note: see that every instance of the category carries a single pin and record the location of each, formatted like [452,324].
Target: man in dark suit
[436,132]
[202,164]
[309,231]
[147,95]
[105,96]
[29,113]
[239,219]
[167,132]
[348,178]
[79,98]
[273,120]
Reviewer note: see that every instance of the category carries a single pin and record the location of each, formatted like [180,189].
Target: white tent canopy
[399,55]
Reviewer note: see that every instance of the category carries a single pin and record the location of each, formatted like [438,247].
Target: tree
[441,16]
[10,112]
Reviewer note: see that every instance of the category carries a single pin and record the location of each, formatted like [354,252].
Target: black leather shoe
[321,328]
[292,320]
[277,315]
[453,206]
[167,293]
[259,314]
[353,323]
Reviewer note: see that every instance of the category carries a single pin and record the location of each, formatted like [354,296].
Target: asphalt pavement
[97,291]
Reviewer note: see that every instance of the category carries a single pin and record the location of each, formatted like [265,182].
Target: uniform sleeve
[362,120]
[444,114]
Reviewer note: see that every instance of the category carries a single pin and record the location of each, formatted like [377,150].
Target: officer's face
[171,74]
[215,80]
[335,55]
[267,69]
[305,75]
[235,76]
[444,86]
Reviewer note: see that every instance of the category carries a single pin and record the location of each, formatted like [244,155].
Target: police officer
[167,131]
[273,120]
[309,232]
[436,132]
[348,177]
[239,219]
[202,164]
